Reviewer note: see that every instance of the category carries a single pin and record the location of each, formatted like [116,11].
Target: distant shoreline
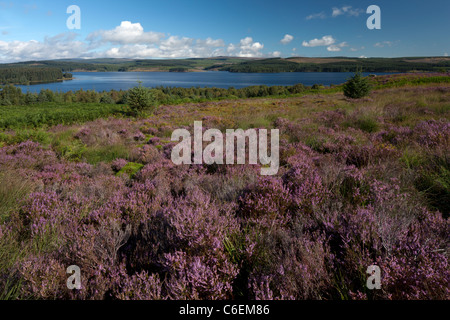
[225,64]
[30,83]
[146,70]
[203,71]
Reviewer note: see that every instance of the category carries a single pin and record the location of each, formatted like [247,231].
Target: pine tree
[140,98]
[357,87]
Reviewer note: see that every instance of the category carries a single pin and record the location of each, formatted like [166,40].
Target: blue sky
[36,30]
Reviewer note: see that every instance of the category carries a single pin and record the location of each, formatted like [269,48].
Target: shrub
[107,99]
[357,87]
[130,169]
[97,154]
[140,98]
[367,124]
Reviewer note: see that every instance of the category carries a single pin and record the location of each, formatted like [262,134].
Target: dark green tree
[357,87]
[106,98]
[141,98]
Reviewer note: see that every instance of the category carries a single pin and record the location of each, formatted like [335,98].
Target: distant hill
[102,65]
[52,70]
[341,64]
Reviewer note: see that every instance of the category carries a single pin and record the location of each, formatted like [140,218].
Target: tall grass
[13,189]
[51,114]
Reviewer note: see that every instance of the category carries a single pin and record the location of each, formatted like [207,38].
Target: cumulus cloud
[126,33]
[246,48]
[287,39]
[333,48]
[275,54]
[337,48]
[61,46]
[209,42]
[320,15]
[128,40]
[136,43]
[172,47]
[324,41]
[346,10]
[184,47]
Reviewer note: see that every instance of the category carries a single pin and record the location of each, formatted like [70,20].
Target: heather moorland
[361,182]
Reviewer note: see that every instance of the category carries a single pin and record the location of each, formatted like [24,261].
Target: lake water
[106,81]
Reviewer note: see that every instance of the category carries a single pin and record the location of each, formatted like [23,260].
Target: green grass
[130,169]
[403,80]
[315,143]
[367,124]
[51,114]
[97,154]
[412,159]
[13,189]
[433,182]
[37,135]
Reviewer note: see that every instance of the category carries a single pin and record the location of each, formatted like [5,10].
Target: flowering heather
[118,164]
[361,182]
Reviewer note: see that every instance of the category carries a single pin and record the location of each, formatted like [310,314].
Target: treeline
[277,65]
[123,65]
[11,95]
[28,75]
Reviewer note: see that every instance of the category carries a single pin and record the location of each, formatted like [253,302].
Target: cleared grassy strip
[51,114]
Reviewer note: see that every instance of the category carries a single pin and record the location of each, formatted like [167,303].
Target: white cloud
[60,46]
[128,40]
[275,54]
[383,44]
[209,42]
[346,10]
[337,48]
[333,48]
[446,54]
[172,47]
[324,41]
[126,33]
[320,15]
[363,57]
[327,41]
[246,48]
[287,39]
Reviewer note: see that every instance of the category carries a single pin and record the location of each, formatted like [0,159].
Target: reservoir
[106,81]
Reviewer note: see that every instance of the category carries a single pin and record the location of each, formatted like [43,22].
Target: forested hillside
[123,65]
[27,75]
[343,65]
[56,70]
